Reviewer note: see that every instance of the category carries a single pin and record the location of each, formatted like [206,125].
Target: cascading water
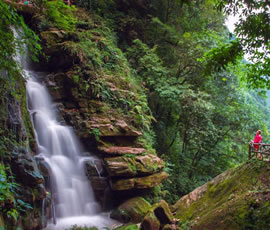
[72,195]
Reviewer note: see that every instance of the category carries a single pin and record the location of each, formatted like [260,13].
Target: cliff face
[91,82]
[236,199]
[22,185]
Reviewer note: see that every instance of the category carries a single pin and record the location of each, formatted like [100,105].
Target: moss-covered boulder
[150,222]
[148,164]
[237,199]
[139,182]
[121,166]
[132,210]
[163,213]
[121,150]
[127,227]
[129,166]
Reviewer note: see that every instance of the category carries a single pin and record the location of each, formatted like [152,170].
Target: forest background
[203,101]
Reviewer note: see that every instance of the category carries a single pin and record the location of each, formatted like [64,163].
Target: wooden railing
[263,150]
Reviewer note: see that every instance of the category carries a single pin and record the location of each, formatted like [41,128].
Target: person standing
[257,139]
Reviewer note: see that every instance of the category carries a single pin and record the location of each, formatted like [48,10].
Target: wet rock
[120,166]
[119,150]
[25,168]
[94,167]
[43,167]
[32,221]
[129,166]
[112,127]
[148,164]
[99,183]
[123,184]
[150,222]
[57,93]
[150,181]
[133,210]
[139,182]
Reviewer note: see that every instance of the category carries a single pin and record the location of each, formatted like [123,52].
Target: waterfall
[71,192]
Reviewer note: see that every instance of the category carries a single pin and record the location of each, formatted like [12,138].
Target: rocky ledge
[124,163]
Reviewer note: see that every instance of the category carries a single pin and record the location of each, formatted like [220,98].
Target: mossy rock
[163,213]
[127,227]
[237,199]
[150,222]
[139,182]
[133,210]
[120,166]
[2,224]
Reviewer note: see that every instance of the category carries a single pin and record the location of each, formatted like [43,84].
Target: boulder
[123,184]
[120,166]
[119,150]
[52,37]
[127,227]
[99,183]
[139,182]
[150,222]
[163,213]
[133,210]
[94,167]
[25,168]
[111,127]
[129,166]
[150,181]
[148,164]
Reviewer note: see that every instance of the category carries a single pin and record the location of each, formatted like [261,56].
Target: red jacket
[258,138]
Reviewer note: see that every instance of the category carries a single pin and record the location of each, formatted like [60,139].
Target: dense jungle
[152,105]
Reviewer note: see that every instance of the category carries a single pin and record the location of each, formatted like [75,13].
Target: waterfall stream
[71,192]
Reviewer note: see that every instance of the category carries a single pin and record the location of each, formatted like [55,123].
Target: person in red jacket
[257,139]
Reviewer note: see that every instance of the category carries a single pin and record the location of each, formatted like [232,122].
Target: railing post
[249,151]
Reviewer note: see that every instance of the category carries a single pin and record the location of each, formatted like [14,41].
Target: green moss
[127,227]
[232,201]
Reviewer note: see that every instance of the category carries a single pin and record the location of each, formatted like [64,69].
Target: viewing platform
[263,150]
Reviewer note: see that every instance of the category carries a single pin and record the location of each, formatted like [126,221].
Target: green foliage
[252,30]
[187,70]
[76,227]
[96,133]
[9,205]
[60,14]
[217,59]
[9,45]
[113,77]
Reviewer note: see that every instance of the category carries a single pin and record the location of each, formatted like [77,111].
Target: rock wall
[79,90]
[24,190]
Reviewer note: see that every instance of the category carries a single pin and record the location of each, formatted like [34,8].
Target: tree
[253,32]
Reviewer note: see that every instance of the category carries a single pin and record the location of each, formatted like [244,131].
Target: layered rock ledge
[80,92]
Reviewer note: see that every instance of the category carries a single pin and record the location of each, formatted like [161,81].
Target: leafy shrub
[60,14]
[10,206]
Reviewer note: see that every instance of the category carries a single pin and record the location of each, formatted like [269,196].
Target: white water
[72,194]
